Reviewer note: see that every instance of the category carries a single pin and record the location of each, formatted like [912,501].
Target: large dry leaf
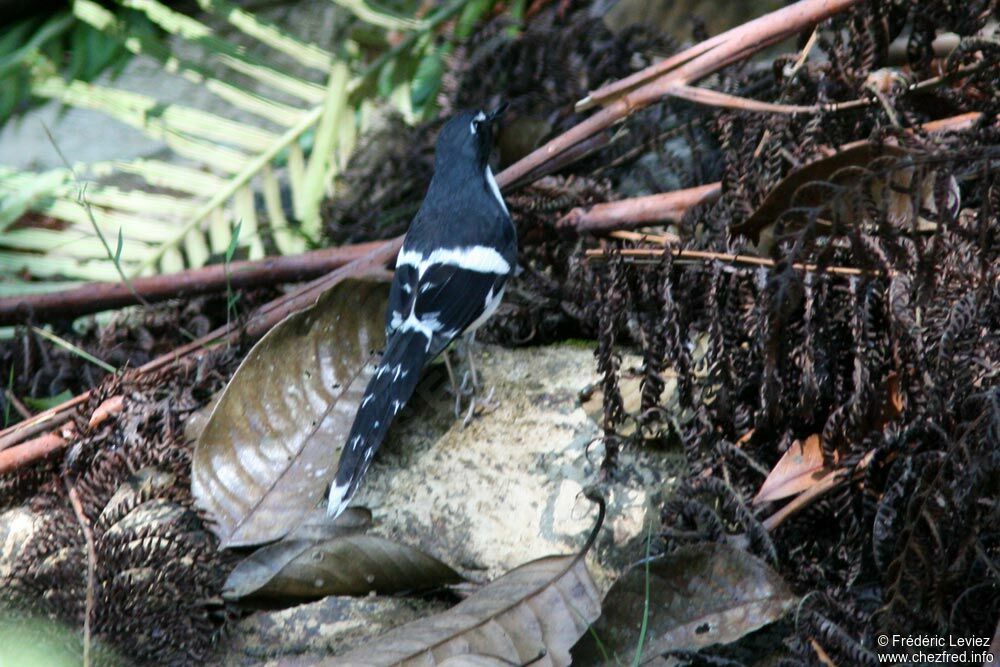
[697,596]
[317,525]
[533,614]
[798,469]
[293,570]
[268,451]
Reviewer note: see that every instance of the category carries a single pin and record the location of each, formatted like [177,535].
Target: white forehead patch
[479,116]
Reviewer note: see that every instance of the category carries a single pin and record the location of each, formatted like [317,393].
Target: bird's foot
[469,388]
[480,406]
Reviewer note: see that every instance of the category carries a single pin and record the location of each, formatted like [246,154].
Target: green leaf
[427,79]
[40,404]
[233,242]
[121,244]
[471,15]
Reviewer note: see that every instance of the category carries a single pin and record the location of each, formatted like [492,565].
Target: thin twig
[95,297]
[21,408]
[654,255]
[714,98]
[88,535]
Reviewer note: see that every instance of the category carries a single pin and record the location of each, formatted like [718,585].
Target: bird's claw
[480,407]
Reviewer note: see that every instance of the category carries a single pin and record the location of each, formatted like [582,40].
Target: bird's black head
[467,137]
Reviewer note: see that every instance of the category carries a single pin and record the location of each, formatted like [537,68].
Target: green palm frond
[267,172]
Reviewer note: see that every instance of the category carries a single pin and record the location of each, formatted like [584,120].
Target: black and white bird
[450,276]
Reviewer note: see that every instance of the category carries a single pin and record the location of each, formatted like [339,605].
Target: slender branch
[638,211]
[263,319]
[714,98]
[765,30]
[30,451]
[95,297]
[21,408]
[686,67]
[654,254]
[88,535]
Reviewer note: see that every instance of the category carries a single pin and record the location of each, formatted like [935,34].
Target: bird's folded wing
[443,301]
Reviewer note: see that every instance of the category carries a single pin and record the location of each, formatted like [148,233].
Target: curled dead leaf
[798,469]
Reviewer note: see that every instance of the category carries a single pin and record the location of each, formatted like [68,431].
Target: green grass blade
[66,345]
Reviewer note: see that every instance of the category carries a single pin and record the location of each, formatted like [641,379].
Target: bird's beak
[496,113]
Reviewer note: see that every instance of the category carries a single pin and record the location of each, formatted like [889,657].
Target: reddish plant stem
[262,319]
[719,51]
[654,255]
[686,67]
[638,211]
[95,297]
[30,451]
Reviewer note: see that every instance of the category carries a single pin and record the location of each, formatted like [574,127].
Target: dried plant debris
[44,373]
[158,573]
[697,596]
[894,364]
[294,570]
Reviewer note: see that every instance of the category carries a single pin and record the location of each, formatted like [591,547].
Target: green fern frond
[268,175]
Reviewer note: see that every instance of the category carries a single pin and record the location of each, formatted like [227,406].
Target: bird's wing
[443,292]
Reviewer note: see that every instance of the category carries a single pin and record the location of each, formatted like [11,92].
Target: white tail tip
[338,500]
